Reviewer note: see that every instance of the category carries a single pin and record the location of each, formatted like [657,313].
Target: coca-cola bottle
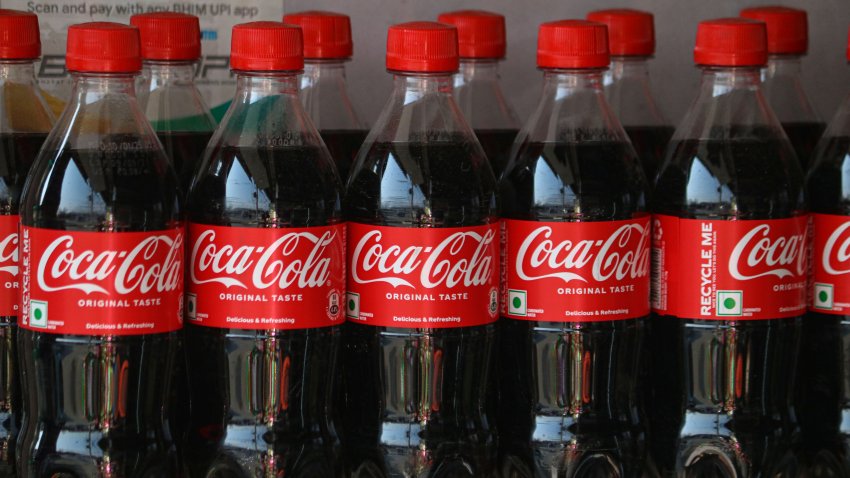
[423,276]
[25,120]
[324,89]
[266,249]
[823,398]
[729,272]
[782,82]
[482,46]
[102,276]
[631,37]
[171,48]
[575,274]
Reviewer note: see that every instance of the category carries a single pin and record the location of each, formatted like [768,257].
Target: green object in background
[218,111]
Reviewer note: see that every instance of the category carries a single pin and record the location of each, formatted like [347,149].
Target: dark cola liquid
[823,393]
[722,389]
[569,399]
[95,405]
[416,398]
[497,144]
[343,146]
[804,137]
[185,150]
[650,143]
[261,399]
[17,152]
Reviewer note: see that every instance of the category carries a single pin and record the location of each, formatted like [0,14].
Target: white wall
[826,76]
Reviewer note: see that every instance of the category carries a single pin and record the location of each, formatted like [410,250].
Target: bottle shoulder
[291,186]
[734,178]
[573,181]
[422,184]
[828,179]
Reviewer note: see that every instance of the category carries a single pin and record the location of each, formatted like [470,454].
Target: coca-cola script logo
[760,254]
[9,254]
[836,252]
[625,253]
[141,269]
[300,258]
[461,258]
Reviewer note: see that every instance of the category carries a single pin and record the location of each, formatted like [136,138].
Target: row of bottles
[438,370]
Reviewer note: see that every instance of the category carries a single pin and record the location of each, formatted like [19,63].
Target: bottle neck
[94,87]
[475,70]
[254,86]
[418,87]
[560,84]
[718,81]
[787,66]
[628,68]
[160,74]
[17,71]
[323,71]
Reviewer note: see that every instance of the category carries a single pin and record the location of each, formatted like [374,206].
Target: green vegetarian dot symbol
[823,296]
[729,303]
[37,314]
[351,305]
[517,302]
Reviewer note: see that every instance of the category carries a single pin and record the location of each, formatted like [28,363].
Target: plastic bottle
[26,120]
[171,48]
[729,272]
[324,89]
[423,276]
[823,398]
[631,35]
[782,82]
[575,239]
[482,47]
[101,276]
[266,276]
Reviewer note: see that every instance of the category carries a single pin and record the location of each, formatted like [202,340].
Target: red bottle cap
[787,28]
[630,32]
[731,42]
[572,44]
[19,36]
[422,47]
[326,34]
[480,34]
[103,47]
[168,35]
[266,46]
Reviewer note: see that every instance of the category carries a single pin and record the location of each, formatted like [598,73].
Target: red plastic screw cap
[787,28]
[327,35]
[848,45]
[422,47]
[19,36]
[630,32]
[103,47]
[731,42]
[480,34]
[572,44]
[266,46]
[168,35]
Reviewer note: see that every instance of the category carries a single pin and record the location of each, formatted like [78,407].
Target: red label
[9,266]
[830,288]
[260,278]
[575,271]
[423,277]
[102,283]
[729,270]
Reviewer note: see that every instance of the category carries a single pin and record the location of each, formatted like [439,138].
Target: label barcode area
[657,271]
